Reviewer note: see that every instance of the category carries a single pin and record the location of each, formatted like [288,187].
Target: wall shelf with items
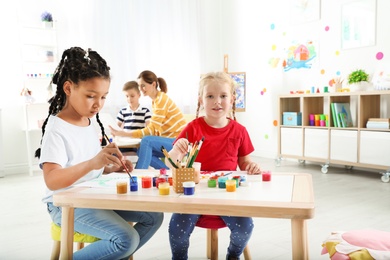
[351,146]
[39,54]
[39,60]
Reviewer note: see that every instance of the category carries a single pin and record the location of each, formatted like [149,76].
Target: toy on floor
[364,244]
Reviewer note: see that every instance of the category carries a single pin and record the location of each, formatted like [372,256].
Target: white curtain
[156,35]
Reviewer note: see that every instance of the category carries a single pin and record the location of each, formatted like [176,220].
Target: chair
[78,238]
[212,224]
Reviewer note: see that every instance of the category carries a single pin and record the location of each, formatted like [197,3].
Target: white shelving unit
[39,60]
[34,114]
[1,147]
[351,146]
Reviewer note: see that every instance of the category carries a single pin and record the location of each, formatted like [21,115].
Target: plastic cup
[121,187]
[189,188]
[133,184]
[212,183]
[266,175]
[146,182]
[163,188]
[222,182]
[231,185]
[197,166]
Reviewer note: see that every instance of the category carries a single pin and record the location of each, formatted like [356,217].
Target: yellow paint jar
[231,185]
[163,188]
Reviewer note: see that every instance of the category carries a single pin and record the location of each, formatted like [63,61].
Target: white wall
[179,40]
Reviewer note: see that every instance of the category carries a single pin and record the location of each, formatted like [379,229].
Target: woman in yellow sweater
[165,125]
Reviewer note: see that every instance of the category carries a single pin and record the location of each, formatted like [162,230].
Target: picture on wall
[299,55]
[239,78]
[302,11]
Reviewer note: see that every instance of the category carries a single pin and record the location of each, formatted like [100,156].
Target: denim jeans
[119,240]
[149,152]
[182,225]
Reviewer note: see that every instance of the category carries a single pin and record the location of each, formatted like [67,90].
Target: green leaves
[357,76]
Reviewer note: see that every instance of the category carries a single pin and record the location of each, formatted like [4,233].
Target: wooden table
[287,195]
[127,142]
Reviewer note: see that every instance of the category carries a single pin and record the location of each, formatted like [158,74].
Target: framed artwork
[358,24]
[239,78]
[302,11]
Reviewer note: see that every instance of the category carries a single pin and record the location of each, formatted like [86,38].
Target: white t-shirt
[66,144]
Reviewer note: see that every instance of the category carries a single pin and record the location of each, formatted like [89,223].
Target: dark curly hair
[76,65]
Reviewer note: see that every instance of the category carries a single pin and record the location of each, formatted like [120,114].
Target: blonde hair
[221,77]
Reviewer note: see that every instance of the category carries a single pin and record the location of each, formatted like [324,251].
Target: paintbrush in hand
[123,164]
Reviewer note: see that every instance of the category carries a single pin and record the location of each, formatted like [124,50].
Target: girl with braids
[226,145]
[166,123]
[70,153]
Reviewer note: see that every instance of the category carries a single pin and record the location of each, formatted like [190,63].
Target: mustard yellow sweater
[167,119]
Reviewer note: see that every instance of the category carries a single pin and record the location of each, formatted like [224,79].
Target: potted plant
[47,19]
[358,79]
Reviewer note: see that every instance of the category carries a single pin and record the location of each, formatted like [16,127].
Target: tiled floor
[345,200]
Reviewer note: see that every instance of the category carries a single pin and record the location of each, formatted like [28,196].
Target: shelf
[352,146]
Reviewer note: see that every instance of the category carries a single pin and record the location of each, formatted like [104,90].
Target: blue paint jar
[222,182]
[189,188]
[133,184]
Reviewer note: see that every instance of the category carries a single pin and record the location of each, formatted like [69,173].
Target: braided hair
[76,65]
[220,77]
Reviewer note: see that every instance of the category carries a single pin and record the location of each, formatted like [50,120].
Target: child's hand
[116,168]
[181,146]
[108,155]
[116,132]
[253,168]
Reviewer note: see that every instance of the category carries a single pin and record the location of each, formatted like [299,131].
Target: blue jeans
[149,152]
[182,225]
[119,240]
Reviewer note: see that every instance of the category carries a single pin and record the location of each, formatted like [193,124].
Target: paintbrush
[123,164]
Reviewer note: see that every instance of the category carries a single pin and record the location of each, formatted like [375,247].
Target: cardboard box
[181,175]
[292,118]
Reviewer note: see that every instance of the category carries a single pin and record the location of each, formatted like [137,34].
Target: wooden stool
[78,238]
[212,224]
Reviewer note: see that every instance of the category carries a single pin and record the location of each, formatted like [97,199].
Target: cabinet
[34,115]
[1,147]
[350,146]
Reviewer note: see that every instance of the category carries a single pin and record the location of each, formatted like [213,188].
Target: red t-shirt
[221,147]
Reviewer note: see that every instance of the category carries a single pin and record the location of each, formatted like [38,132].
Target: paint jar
[163,188]
[266,175]
[133,184]
[231,185]
[212,183]
[222,182]
[189,187]
[170,181]
[154,181]
[160,180]
[146,182]
[121,187]
[237,179]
